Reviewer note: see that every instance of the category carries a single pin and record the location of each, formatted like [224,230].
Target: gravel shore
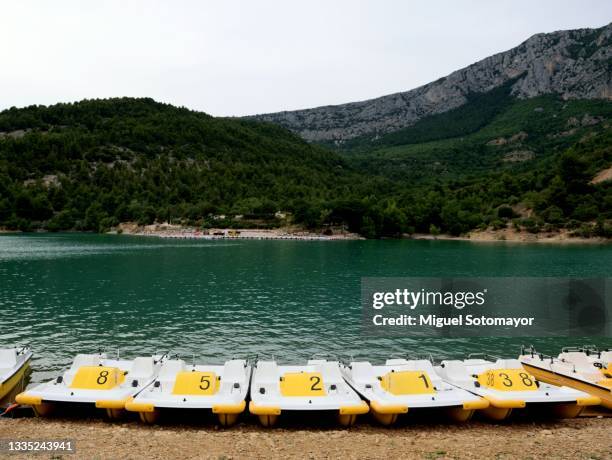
[95,438]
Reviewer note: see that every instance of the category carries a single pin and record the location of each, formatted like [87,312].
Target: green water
[70,293]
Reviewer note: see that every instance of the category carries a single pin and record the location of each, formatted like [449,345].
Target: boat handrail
[250,360]
[263,357]
[104,350]
[325,356]
[531,350]
[485,356]
[588,349]
[591,349]
[417,356]
[163,357]
[346,360]
[570,349]
[23,349]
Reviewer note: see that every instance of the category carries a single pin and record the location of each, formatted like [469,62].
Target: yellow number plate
[195,383]
[97,378]
[302,384]
[508,380]
[407,383]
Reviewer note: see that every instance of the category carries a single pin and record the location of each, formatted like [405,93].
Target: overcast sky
[253,56]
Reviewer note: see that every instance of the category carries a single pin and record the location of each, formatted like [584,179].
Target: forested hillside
[94,164]
[91,165]
[498,161]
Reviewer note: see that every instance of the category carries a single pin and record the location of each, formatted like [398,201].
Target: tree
[93,216]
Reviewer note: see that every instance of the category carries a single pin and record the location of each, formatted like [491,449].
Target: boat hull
[561,380]
[8,385]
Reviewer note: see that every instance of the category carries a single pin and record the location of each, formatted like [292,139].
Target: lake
[70,293]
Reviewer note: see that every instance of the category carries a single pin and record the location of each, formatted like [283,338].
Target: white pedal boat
[508,386]
[400,385]
[14,363]
[589,372]
[94,379]
[219,388]
[602,359]
[317,386]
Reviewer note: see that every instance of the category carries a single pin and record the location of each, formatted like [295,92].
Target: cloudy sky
[237,57]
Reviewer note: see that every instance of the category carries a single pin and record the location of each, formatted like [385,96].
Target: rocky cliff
[573,64]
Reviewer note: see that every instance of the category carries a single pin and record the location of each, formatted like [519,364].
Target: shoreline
[583,437]
[513,236]
[166,231]
[478,236]
[180,232]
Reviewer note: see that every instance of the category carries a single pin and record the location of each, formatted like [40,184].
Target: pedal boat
[601,359]
[508,386]
[94,379]
[316,386]
[589,372]
[400,385]
[219,388]
[14,363]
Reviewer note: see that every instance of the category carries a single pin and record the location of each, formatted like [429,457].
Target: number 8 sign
[507,380]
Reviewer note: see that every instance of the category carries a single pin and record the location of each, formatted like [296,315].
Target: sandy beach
[182,232]
[514,236]
[294,233]
[582,438]
[166,230]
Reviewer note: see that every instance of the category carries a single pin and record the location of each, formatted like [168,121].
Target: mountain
[573,64]
[492,132]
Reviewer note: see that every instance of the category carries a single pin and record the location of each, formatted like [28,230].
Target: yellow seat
[196,383]
[508,380]
[407,383]
[97,378]
[302,384]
